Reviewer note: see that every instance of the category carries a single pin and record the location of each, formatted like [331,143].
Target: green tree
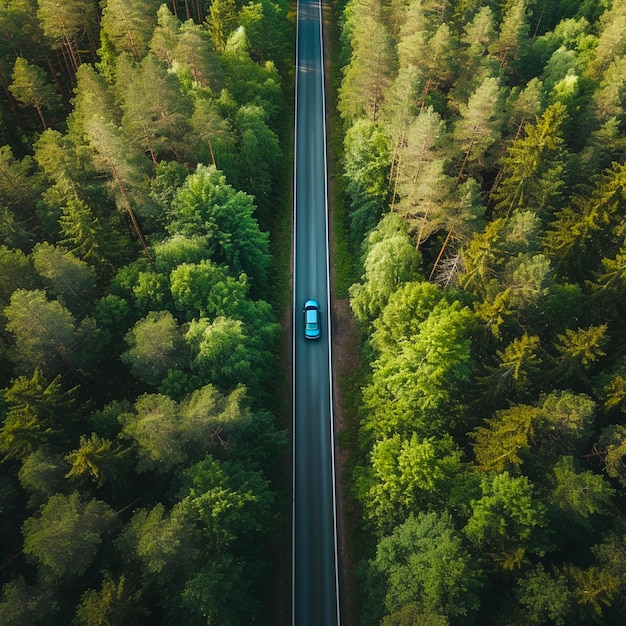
[66,24]
[506,521]
[220,354]
[112,157]
[611,446]
[115,604]
[420,183]
[519,363]
[151,291]
[207,205]
[534,167]
[560,422]
[155,346]
[92,238]
[389,261]
[414,385]
[37,412]
[545,596]
[588,228]
[25,605]
[371,66]
[42,474]
[47,335]
[411,614]
[407,309]
[408,475]
[366,166]
[594,587]
[19,192]
[16,272]
[165,35]
[129,25]
[229,501]
[196,54]
[31,87]
[207,595]
[67,277]
[578,496]
[222,20]
[260,157]
[578,350]
[155,111]
[425,562]
[66,534]
[161,542]
[94,97]
[267,28]
[475,64]
[610,44]
[99,460]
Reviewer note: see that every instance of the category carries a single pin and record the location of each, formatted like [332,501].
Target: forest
[142,433]
[484,171]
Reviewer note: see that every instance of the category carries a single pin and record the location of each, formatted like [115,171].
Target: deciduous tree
[66,534]
[389,261]
[506,521]
[424,562]
[155,346]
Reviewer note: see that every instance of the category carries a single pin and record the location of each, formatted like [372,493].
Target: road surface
[315,599]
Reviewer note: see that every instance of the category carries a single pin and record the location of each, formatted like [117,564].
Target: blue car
[311,319]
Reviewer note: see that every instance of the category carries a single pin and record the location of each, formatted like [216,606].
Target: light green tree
[155,346]
[390,260]
[206,289]
[513,37]
[154,426]
[413,385]
[115,604]
[48,336]
[222,20]
[66,534]
[31,87]
[99,460]
[506,521]
[155,110]
[67,277]
[371,66]
[408,475]
[478,129]
[506,438]
[366,166]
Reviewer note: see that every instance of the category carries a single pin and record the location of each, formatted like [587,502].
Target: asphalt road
[315,588]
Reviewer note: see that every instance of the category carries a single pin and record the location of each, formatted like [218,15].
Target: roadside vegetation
[484,171]
[142,437]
